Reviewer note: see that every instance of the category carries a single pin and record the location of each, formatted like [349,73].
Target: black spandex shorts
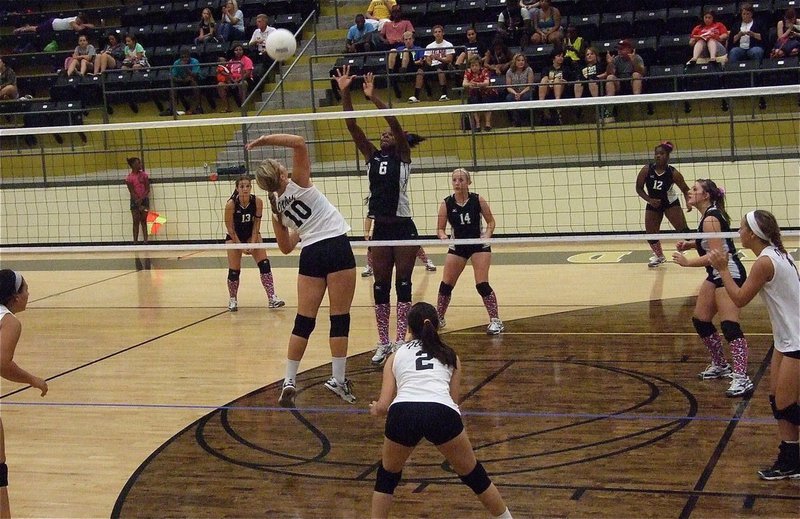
[791,354]
[663,208]
[399,229]
[719,284]
[145,203]
[327,256]
[409,422]
[466,251]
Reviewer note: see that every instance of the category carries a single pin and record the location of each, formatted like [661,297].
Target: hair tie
[721,191]
[428,321]
[17,281]
[753,224]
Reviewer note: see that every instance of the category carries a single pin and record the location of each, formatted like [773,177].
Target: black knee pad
[340,325]
[703,328]
[264,267]
[774,407]
[3,475]
[445,289]
[403,287]
[303,326]
[387,481]
[477,480]
[731,330]
[791,414]
[484,289]
[653,242]
[380,292]
[233,275]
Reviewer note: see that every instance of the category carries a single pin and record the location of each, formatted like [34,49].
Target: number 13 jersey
[310,213]
[421,377]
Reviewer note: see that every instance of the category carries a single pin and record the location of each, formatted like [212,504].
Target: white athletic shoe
[381,352]
[442,322]
[444,97]
[430,267]
[741,385]
[367,272]
[343,390]
[288,392]
[714,371]
[413,99]
[495,327]
[656,261]
[276,302]
[233,305]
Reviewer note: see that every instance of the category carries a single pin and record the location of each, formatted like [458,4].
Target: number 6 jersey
[421,377]
[310,213]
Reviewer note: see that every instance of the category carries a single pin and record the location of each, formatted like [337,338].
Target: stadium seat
[587,25]
[781,71]
[276,7]
[440,12]
[673,49]
[183,12]
[186,31]
[65,88]
[681,20]
[702,77]
[467,11]
[164,55]
[650,22]
[663,78]
[565,7]
[494,8]
[415,12]
[741,74]
[135,15]
[538,56]
[616,25]
[486,30]
[423,35]
[647,48]
[456,34]
[290,21]
[725,13]
[655,4]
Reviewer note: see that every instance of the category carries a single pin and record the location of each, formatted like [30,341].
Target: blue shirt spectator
[358,36]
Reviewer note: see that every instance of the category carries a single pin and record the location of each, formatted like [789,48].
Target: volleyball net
[542,180]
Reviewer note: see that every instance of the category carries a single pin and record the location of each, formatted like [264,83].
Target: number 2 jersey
[310,213]
[421,377]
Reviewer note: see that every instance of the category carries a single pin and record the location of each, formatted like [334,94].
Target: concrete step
[234,151]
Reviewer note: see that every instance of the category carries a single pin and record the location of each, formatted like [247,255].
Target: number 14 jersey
[310,213]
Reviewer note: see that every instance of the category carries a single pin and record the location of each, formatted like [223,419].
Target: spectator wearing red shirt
[708,39]
[476,81]
[234,74]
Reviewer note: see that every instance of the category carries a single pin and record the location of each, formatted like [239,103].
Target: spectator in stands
[8,83]
[359,36]
[379,12]
[748,43]
[439,56]
[111,56]
[498,59]
[624,71]
[547,25]
[511,26]
[476,82]
[391,34]
[554,82]
[185,73]
[412,61]
[529,10]
[135,57]
[208,27]
[82,58]
[234,74]
[473,47]
[788,31]
[51,25]
[590,74]
[574,47]
[231,26]
[519,85]
[708,39]
[258,46]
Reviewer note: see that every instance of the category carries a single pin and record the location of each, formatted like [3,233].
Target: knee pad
[774,407]
[445,289]
[703,328]
[484,289]
[380,291]
[403,287]
[386,481]
[264,267]
[233,275]
[340,325]
[791,414]
[3,475]
[731,330]
[303,326]
[477,480]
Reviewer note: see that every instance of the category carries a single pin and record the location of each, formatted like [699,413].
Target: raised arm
[401,142]
[344,80]
[301,164]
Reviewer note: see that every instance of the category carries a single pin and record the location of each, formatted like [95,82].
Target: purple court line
[356,410]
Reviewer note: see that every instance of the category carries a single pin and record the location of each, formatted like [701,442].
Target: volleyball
[280,44]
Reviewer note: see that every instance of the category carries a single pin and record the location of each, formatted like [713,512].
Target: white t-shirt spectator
[259,38]
[439,50]
[63,24]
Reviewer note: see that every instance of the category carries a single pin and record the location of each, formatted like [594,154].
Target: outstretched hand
[343,78]
[369,84]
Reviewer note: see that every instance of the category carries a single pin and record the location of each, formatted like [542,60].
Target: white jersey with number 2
[421,377]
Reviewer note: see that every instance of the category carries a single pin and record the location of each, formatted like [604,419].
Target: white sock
[291,370]
[505,515]
[338,367]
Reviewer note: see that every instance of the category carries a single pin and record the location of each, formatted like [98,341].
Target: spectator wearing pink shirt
[240,70]
[138,182]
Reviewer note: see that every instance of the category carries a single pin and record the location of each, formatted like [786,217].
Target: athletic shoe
[495,327]
[740,386]
[656,261]
[714,371]
[288,392]
[413,99]
[444,97]
[367,272]
[381,352]
[233,305]
[430,267]
[786,466]
[442,322]
[343,390]
[276,302]
[27,97]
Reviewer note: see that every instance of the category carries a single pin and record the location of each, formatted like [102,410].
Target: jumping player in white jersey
[712,298]
[13,299]
[389,169]
[418,397]
[302,212]
[775,276]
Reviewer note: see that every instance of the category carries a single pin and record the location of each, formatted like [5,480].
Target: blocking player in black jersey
[389,169]
[243,212]
[712,297]
[655,185]
[463,210]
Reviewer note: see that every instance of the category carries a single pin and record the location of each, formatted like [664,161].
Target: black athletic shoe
[787,466]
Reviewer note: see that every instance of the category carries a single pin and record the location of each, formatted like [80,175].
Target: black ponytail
[413,139]
[423,322]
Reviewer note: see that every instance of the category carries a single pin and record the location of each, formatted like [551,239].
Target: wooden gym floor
[163,404]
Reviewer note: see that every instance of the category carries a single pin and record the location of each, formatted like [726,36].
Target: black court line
[81,287]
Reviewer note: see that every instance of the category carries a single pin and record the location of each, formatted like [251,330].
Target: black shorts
[791,354]
[327,256]
[466,251]
[409,422]
[719,284]
[145,203]
[243,238]
[663,207]
[398,229]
